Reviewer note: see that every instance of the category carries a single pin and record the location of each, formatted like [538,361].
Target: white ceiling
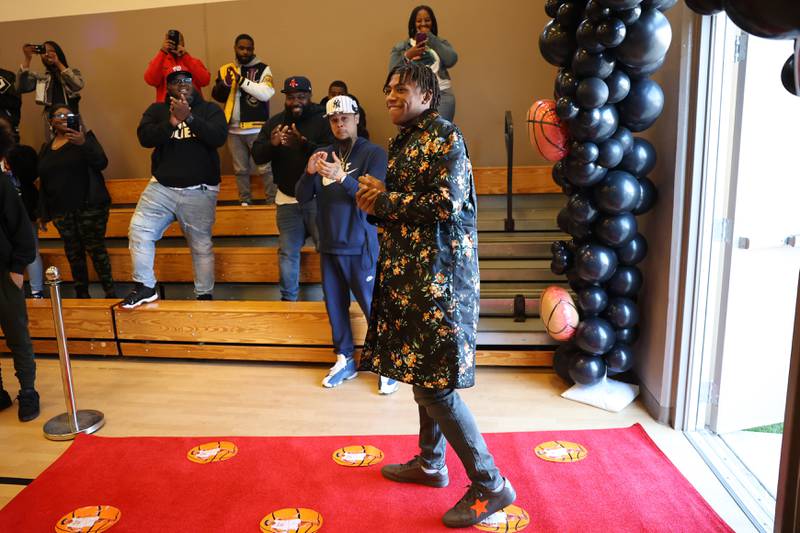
[16,10]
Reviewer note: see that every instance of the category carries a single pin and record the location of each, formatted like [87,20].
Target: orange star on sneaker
[479,506]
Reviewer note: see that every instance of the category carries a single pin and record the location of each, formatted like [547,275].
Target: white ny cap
[340,104]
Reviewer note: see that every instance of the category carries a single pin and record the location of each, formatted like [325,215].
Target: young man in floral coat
[424,316]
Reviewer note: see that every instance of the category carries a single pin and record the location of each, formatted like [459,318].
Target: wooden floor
[187,398]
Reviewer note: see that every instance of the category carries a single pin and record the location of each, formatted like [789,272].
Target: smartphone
[174,36]
[74,121]
[421,37]
[38,48]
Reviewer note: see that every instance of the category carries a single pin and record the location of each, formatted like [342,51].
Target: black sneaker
[28,405]
[5,400]
[205,297]
[477,504]
[412,472]
[139,295]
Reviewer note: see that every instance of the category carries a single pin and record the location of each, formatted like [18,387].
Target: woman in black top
[74,196]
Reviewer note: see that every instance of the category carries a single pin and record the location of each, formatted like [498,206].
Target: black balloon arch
[606,51]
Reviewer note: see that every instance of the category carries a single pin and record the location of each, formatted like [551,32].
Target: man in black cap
[287,140]
[185,132]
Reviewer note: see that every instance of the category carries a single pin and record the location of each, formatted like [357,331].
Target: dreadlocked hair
[422,76]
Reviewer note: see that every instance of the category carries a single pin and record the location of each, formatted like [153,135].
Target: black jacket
[289,163]
[10,101]
[22,160]
[17,249]
[185,155]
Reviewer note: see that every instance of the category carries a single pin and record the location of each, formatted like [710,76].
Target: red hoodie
[163,63]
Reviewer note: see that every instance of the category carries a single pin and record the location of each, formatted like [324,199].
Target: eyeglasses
[181,81]
[62,116]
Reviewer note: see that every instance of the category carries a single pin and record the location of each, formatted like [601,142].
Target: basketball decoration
[292,520]
[546,131]
[561,451]
[558,312]
[91,519]
[213,452]
[360,455]
[511,518]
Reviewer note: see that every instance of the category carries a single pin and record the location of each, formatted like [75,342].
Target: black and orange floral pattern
[425,308]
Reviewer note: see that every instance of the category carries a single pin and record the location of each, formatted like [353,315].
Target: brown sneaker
[412,472]
[477,504]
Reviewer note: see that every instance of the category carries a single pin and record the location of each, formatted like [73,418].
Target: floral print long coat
[424,317]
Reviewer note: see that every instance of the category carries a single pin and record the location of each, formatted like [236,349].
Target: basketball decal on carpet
[511,518]
[292,520]
[561,451]
[94,518]
[359,455]
[213,452]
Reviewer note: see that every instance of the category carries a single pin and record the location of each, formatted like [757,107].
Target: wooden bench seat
[488,180]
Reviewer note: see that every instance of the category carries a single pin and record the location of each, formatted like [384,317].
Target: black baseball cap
[178,71]
[296,84]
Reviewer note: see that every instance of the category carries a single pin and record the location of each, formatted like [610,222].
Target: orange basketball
[558,312]
[360,455]
[291,520]
[95,518]
[212,452]
[561,451]
[546,131]
[510,518]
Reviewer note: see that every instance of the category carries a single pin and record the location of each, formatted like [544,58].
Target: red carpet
[624,483]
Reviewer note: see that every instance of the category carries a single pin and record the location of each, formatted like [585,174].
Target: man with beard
[425,308]
[245,87]
[185,132]
[287,141]
[348,244]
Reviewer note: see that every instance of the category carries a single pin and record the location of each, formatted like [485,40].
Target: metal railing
[509,135]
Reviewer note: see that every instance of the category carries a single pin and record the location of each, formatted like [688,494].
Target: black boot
[5,400]
[28,405]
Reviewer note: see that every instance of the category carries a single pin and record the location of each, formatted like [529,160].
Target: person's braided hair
[422,76]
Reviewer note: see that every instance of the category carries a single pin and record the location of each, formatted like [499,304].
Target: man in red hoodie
[170,55]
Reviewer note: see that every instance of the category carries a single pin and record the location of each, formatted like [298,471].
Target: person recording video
[173,54]
[58,85]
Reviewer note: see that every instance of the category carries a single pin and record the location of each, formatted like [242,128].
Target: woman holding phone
[74,196]
[424,45]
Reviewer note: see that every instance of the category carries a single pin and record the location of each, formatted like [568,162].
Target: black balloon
[568,189]
[579,231]
[581,209]
[705,7]
[592,301]
[619,359]
[647,40]
[587,38]
[595,263]
[585,175]
[611,32]
[622,312]
[562,360]
[618,192]
[626,281]
[566,109]
[587,369]
[569,14]
[551,7]
[616,230]
[627,335]
[625,137]
[648,197]
[592,92]
[595,125]
[559,177]
[587,152]
[641,160]
[620,4]
[610,153]
[595,11]
[629,16]
[643,105]
[661,5]
[595,336]
[563,220]
[787,76]
[633,251]
[636,73]
[772,19]
[586,64]
[559,265]
[557,44]
[566,82]
[619,85]
[575,282]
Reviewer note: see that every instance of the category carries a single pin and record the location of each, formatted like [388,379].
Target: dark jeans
[444,415]
[14,323]
[295,223]
[85,231]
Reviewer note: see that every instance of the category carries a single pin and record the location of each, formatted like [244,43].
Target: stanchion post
[66,425]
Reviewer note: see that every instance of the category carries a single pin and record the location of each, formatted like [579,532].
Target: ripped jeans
[160,206]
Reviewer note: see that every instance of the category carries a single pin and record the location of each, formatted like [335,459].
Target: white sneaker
[387,385]
[344,369]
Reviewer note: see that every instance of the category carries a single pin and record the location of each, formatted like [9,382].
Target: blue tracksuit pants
[342,274]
